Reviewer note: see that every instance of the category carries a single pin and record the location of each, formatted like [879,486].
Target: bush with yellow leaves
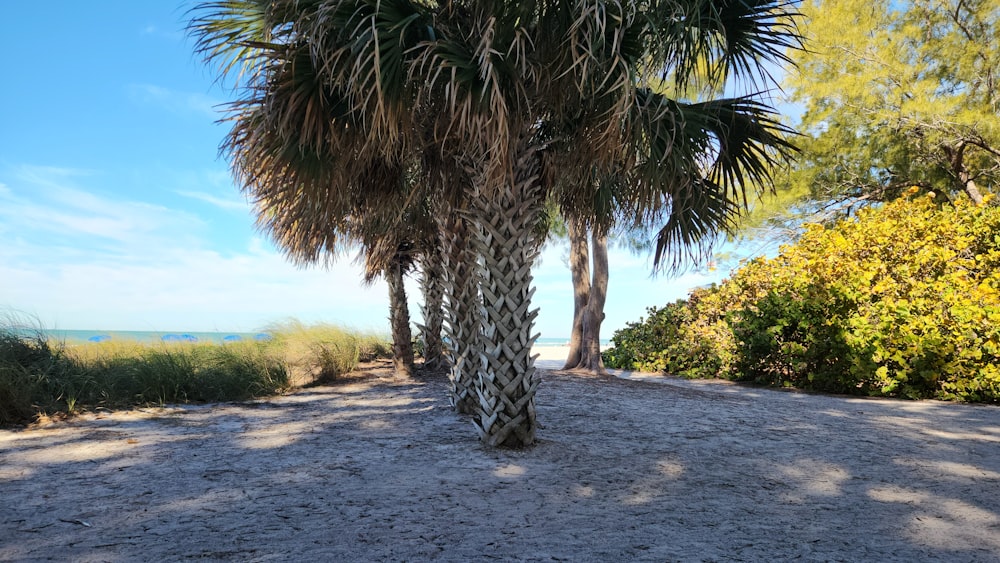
[902,300]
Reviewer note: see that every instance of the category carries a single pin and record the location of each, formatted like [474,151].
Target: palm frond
[339,96]
[712,40]
[366,49]
[755,32]
[751,144]
[694,164]
[695,219]
[237,35]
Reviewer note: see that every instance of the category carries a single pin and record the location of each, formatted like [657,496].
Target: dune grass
[318,353]
[39,377]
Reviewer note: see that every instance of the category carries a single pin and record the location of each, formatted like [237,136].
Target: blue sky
[116,212]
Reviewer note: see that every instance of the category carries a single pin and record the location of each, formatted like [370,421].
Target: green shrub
[795,340]
[641,345]
[903,300]
[683,339]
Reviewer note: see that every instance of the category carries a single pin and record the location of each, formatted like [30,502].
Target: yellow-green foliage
[892,91]
[903,301]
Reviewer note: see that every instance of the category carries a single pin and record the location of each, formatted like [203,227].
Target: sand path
[381,470]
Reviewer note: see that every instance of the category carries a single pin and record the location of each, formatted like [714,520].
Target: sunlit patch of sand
[275,435]
[510,470]
[940,521]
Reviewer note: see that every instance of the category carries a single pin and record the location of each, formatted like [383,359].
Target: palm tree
[433,290]
[392,257]
[463,307]
[295,152]
[515,95]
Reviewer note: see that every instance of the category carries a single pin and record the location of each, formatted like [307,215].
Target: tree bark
[966,184]
[590,295]
[506,218]
[462,307]
[432,286]
[970,187]
[594,315]
[399,320]
[579,267]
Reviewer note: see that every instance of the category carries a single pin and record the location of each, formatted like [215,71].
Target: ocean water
[79,336]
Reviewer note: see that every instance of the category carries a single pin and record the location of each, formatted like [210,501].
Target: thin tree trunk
[579,267]
[505,239]
[957,158]
[591,358]
[971,188]
[399,320]
[433,287]
[462,307]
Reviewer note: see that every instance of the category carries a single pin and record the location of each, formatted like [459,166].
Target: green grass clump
[121,374]
[320,352]
[29,370]
[40,377]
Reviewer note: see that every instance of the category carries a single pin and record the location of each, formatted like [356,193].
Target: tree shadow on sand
[376,468]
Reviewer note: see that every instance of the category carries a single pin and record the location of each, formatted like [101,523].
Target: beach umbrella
[232,338]
[99,338]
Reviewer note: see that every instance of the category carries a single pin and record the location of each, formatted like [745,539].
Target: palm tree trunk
[505,239]
[433,287]
[579,267]
[399,320]
[462,308]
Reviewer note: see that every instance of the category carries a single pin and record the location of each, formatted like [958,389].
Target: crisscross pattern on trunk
[462,309]
[432,285]
[505,220]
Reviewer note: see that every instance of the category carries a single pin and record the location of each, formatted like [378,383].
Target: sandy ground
[376,469]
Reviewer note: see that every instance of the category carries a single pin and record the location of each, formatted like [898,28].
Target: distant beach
[218,337]
[81,336]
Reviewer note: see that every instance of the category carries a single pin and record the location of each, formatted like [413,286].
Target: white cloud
[49,176]
[228,204]
[200,290]
[174,101]
[48,202]
[77,259]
